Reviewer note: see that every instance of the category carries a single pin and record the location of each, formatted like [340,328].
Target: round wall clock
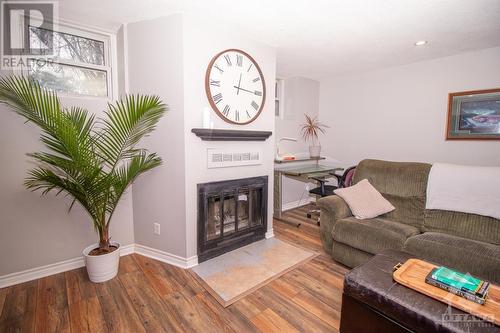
[235,87]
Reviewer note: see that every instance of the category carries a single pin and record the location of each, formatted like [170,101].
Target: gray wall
[37,231]
[400,113]
[155,59]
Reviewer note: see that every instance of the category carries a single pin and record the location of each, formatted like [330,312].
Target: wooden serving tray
[412,275]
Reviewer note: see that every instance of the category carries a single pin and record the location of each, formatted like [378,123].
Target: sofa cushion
[466,255]
[481,228]
[364,200]
[372,235]
[404,184]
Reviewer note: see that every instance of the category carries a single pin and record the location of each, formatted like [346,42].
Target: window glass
[68,47]
[69,79]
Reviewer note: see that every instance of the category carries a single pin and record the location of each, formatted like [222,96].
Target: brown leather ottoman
[373,302]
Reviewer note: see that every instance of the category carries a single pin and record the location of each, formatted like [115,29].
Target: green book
[459,283]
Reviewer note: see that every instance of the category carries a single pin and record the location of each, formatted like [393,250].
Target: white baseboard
[295,204]
[51,269]
[269,234]
[40,272]
[127,249]
[166,257]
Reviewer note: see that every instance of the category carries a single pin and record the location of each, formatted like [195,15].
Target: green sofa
[466,242]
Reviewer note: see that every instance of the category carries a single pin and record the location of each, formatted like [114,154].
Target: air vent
[218,158]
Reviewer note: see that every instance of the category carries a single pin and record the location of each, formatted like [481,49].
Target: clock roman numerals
[217,98]
[237,115]
[255,105]
[214,83]
[249,67]
[257,79]
[239,60]
[258,93]
[220,69]
[226,110]
[248,114]
[228,59]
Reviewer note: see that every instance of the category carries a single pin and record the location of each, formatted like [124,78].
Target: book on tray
[458,283]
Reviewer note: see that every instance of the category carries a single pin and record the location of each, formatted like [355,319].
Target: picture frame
[474,115]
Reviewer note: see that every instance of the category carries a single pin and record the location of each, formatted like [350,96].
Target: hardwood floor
[150,296]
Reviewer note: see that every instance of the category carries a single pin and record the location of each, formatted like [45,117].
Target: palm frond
[129,120]
[93,165]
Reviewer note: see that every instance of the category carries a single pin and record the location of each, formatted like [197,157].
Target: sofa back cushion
[477,227]
[404,184]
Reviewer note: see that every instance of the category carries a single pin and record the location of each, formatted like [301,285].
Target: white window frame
[279,95]
[110,55]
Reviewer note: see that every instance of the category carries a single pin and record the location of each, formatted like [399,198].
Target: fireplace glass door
[238,211]
[231,214]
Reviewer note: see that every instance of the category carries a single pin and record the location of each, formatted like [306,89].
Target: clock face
[235,86]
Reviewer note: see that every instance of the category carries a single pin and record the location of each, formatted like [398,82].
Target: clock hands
[243,89]
[238,87]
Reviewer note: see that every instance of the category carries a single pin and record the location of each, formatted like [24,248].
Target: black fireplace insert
[231,214]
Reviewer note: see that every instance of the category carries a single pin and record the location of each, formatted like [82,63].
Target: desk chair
[323,190]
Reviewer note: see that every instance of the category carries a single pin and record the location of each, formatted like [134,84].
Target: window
[78,64]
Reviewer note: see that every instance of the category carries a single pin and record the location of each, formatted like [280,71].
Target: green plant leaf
[91,160]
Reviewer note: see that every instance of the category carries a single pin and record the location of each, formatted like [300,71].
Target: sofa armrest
[333,208]
[335,205]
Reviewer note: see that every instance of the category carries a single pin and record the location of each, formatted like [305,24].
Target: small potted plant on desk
[310,133]
[92,161]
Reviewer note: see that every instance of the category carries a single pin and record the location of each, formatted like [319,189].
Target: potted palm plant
[91,160]
[310,133]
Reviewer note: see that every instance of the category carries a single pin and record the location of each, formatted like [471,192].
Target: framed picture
[474,115]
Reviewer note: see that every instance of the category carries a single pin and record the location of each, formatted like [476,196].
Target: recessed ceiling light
[421,43]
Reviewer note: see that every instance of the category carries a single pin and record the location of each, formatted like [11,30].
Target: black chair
[323,190]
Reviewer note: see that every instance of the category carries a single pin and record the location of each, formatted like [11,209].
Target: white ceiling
[320,38]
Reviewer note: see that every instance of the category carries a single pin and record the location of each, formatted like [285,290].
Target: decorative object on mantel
[474,115]
[235,87]
[310,132]
[90,161]
[230,135]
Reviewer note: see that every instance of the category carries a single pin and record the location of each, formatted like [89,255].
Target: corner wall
[301,95]
[155,66]
[399,113]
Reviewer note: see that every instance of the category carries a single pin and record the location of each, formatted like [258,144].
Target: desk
[301,173]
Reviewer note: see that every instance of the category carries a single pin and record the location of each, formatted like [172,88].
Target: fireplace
[230,214]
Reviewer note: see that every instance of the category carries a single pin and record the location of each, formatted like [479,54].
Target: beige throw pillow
[364,200]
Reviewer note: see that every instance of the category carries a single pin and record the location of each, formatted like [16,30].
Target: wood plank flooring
[150,296]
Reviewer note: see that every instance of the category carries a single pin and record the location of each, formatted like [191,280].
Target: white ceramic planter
[315,151]
[104,267]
